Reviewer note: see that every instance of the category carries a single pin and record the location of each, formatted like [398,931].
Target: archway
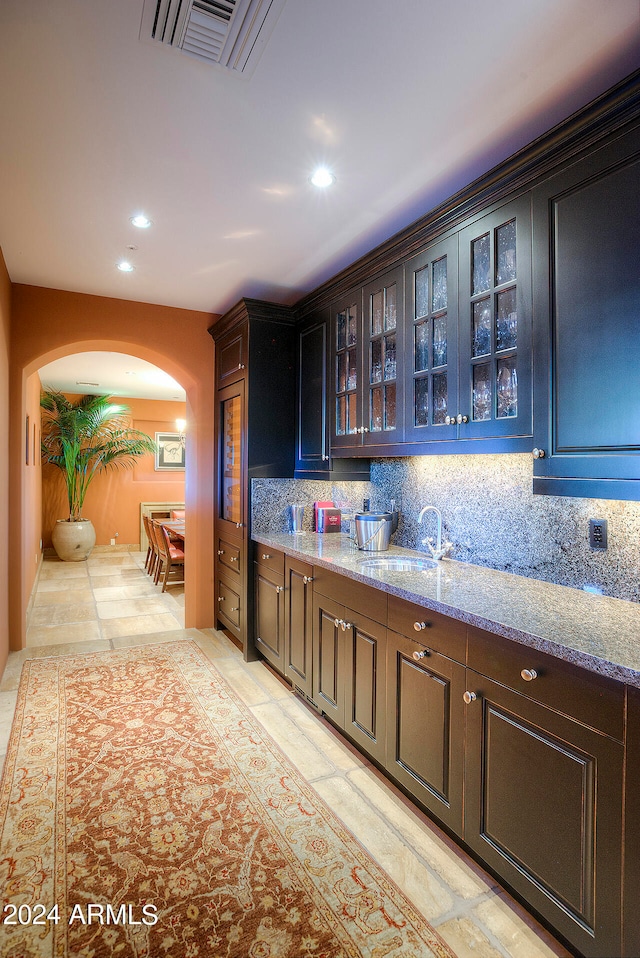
[172,339]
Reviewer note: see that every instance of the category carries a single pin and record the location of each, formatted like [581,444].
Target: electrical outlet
[598,533]
[113,542]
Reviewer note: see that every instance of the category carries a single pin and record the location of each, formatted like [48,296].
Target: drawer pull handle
[279,588]
[421,655]
[529,675]
[265,555]
[220,598]
[234,608]
[220,552]
[307,579]
[419,626]
[233,558]
[469,697]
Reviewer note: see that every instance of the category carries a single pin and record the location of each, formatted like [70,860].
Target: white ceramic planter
[73,541]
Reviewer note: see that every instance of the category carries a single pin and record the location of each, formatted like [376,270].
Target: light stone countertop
[593,631]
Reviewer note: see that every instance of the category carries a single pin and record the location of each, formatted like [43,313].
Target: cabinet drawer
[593,699]
[229,556]
[228,604]
[354,595]
[442,633]
[268,558]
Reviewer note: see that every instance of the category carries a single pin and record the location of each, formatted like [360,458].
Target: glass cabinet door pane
[376,313]
[422,346]
[341,416]
[440,340]
[231,424]
[352,376]
[390,307]
[481,332]
[421,402]
[376,361]
[481,392]
[439,285]
[439,398]
[421,292]
[506,253]
[390,356]
[506,320]
[341,380]
[481,264]
[375,418]
[341,331]
[507,388]
[352,336]
[352,412]
[390,406]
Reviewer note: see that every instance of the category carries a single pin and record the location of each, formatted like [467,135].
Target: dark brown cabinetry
[349,659]
[587,416]
[543,787]
[298,599]
[268,580]
[631,886]
[254,436]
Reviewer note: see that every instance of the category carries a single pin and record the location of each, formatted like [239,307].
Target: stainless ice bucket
[373,530]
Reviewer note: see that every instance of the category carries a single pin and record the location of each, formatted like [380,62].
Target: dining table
[175,528]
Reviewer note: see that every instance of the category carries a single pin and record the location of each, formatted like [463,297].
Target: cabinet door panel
[299,624]
[534,782]
[328,666]
[269,637]
[495,324]
[312,453]
[431,348]
[346,371]
[229,606]
[586,232]
[365,687]
[231,499]
[425,726]
[231,356]
[383,373]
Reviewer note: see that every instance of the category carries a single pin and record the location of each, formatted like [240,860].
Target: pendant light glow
[323,177]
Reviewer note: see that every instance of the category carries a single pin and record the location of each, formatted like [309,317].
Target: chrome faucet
[439,550]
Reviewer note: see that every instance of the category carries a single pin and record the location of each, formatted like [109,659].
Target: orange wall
[114,497]
[5,317]
[47,324]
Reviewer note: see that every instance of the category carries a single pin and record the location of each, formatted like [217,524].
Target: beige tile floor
[109,602]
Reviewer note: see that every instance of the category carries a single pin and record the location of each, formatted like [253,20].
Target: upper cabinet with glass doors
[368,370]
[494,394]
[431,350]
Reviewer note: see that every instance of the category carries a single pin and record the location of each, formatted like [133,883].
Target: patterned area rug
[146,814]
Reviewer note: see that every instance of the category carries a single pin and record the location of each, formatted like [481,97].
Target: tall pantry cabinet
[255,438]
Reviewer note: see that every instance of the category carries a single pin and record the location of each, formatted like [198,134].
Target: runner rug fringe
[145,813]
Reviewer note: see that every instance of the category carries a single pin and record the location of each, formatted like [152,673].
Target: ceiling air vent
[231,33]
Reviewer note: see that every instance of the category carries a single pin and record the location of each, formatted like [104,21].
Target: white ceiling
[406,101]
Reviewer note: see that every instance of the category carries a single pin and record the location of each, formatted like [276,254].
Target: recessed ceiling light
[323,177]
[141,221]
[125,266]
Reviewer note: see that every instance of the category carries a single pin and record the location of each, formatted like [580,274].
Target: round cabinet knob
[464,419]
[240,365]
[365,429]
[233,558]
[421,655]
[265,555]
[238,525]
[419,626]
[325,459]
[346,625]
[234,608]
[529,675]
[449,420]
[220,598]
[337,622]
[221,552]
[307,579]
[460,418]
[538,453]
[469,697]
[279,588]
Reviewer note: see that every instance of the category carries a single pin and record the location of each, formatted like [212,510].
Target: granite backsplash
[490,515]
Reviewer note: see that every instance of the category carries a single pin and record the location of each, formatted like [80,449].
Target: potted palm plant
[82,438]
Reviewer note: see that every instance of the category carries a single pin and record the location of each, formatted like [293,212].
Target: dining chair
[171,559]
[152,550]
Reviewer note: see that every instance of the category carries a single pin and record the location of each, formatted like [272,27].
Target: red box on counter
[329,520]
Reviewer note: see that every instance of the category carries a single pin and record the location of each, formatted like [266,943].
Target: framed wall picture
[169,452]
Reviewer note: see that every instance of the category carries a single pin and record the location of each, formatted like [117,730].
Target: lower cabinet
[269,635]
[298,624]
[425,726]
[543,809]
[349,673]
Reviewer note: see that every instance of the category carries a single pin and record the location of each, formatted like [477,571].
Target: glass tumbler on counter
[296,515]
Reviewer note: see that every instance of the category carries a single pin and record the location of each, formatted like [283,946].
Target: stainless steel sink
[398,564]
